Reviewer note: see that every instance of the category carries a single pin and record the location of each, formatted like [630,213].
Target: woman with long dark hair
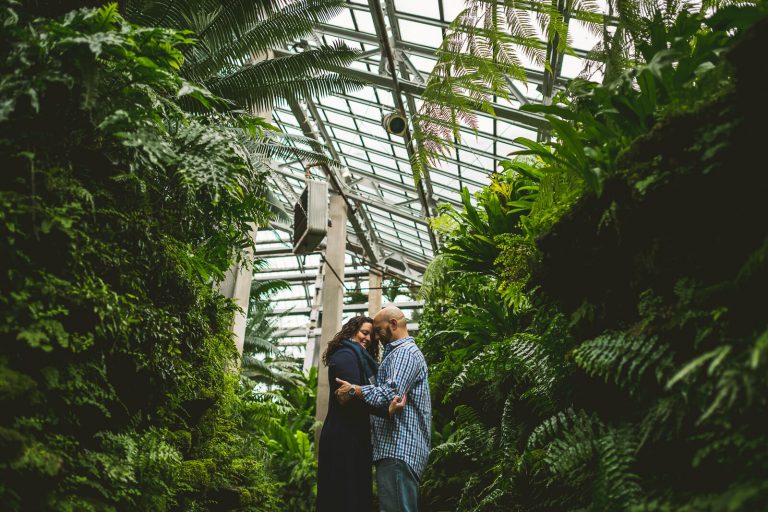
[344,480]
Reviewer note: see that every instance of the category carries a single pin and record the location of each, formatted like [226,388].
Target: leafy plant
[629,376]
[118,212]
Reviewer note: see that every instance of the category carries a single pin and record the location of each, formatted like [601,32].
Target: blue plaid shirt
[406,436]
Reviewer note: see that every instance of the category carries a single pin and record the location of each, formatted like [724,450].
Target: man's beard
[385,336]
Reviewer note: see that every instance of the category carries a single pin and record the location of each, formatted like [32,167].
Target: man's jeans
[397,485]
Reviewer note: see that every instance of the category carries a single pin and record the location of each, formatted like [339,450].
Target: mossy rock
[195,473]
[14,385]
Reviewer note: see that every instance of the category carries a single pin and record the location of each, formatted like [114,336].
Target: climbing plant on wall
[632,375]
[118,212]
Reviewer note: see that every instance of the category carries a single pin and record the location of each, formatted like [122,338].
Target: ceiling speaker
[395,123]
[310,217]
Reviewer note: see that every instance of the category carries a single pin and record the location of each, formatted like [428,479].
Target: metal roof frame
[388,210]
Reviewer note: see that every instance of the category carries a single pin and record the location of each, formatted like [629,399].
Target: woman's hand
[342,393]
[397,405]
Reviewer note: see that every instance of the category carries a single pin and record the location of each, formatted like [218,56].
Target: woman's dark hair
[348,332]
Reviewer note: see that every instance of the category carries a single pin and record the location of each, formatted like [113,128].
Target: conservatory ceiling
[387,211]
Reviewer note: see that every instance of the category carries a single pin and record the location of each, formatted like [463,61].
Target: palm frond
[258,86]
[235,45]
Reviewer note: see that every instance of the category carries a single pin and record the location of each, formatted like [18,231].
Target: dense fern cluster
[118,210]
[632,376]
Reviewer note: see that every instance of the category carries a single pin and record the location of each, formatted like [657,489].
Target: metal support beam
[520,118]
[348,308]
[414,264]
[533,75]
[404,62]
[388,54]
[380,204]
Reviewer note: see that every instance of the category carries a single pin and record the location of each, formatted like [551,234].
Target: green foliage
[233,39]
[263,361]
[471,240]
[624,369]
[624,359]
[118,211]
[682,69]
[284,421]
[479,56]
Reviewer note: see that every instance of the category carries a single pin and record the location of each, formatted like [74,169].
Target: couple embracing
[378,413]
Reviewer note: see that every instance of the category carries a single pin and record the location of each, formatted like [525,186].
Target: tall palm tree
[234,39]
[232,58]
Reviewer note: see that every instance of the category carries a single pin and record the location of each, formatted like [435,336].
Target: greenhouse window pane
[583,37]
[426,8]
[468,157]
[420,33]
[452,8]
[343,19]
[423,64]
[382,160]
[510,132]
[338,118]
[366,111]
[572,66]
[364,22]
[371,128]
[333,101]
[345,135]
[375,144]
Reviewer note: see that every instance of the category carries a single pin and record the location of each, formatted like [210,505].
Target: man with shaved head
[400,442]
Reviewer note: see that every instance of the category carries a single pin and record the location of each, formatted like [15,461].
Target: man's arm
[396,406]
[402,376]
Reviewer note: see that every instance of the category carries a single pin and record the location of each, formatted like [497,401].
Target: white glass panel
[366,111]
[376,144]
[333,101]
[422,63]
[364,22]
[572,66]
[339,119]
[511,131]
[420,33]
[345,135]
[426,8]
[381,160]
[582,36]
[452,8]
[476,176]
[343,19]
[400,151]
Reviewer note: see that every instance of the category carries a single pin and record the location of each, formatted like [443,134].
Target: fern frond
[623,358]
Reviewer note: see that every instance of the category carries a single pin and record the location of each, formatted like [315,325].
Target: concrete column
[374,292]
[333,299]
[310,349]
[237,281]
[237,285]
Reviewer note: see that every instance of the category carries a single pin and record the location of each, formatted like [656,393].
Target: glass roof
[388,209]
